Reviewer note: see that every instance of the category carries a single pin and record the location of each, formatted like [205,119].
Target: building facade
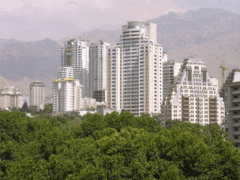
[98,67]
[75,63]
[37,95]
[114,78]
[67,95]
[194,98]
[231,94]
[170,72]
[140,74]
[10,97]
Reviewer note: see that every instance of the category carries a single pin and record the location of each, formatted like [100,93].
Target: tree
[47,108]
[115,146]
[24,107]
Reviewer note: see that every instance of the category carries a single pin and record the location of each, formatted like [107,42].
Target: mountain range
[212,35]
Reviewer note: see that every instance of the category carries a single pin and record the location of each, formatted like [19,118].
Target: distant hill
[34,60]
[177,30]
[109,36]
[8,41]
[210,34]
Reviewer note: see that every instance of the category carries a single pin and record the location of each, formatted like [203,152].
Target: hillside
[223,48]
[34,60]
[210,34]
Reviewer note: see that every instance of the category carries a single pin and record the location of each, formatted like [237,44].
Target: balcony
[235,132]
[236,92]
[236,100]
[212,118]
[236,124]
[236,116]
[237,140]
[235,108]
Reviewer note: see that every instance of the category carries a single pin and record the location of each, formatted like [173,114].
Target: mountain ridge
[209,34]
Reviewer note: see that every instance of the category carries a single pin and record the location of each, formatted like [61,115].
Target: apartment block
[170,72]
[67,95]
[114,78]
[10,97]
[231,94]
[193,96]
[75,55]
[98,67]
[140,74]
[37,95]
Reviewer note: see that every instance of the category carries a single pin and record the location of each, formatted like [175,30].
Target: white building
[194,98]
[10,97]
[231,94]
[75,55]
[170,72]
[141,81]
[89,103]
[67,95]
[98,67]
[37,95]
[65,72]
[114,73]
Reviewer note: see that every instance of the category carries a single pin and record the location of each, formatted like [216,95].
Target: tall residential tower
[75,55]
[139,70]
[37,95]
[98,70]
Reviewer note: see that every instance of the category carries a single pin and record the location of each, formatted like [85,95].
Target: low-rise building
[67,95]
[10,97]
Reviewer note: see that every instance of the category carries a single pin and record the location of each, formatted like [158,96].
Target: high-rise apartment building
[231,94]
[37,95]
[194,98]
[75,55]
[170,72]
[114,79]
[141,83]
[10,97]
[98,67]
[67,95]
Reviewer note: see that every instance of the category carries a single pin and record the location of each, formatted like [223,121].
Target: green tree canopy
[115,146]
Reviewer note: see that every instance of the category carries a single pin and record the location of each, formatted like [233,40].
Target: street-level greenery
[113,147]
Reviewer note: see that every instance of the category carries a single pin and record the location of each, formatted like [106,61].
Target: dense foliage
[113,147]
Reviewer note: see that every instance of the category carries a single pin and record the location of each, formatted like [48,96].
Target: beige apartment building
[37,95]
[194,96]
[10,97]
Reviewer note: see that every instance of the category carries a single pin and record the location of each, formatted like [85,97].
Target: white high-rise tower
[98,70]
[140,71]
[75,55]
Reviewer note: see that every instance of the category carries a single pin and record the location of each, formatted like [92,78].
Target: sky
[31,20]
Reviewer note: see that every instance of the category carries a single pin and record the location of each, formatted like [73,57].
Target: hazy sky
[30,20]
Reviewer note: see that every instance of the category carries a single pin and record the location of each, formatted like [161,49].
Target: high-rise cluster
[135,75]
